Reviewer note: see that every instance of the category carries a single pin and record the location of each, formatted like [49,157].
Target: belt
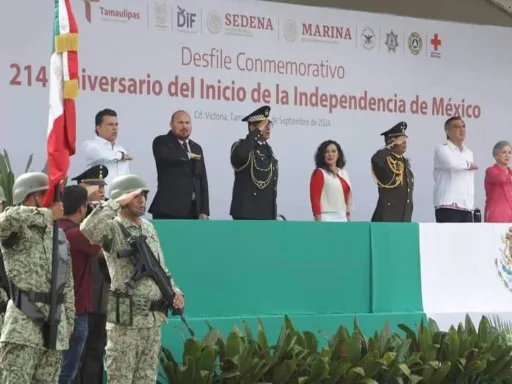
[159,305]
[43,297]
[37,297]
[139,304]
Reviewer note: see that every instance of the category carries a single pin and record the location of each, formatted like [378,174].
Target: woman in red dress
[498,186]
[329,189]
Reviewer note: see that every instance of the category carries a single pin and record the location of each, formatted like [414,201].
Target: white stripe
[65,66]
[63,18]
[63,29]
[56,82]
[460,265]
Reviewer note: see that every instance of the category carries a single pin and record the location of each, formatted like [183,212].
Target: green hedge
[462,355]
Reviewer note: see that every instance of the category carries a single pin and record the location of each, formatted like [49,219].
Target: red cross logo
[435,42]
[88,12]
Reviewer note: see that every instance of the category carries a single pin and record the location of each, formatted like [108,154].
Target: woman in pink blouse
[330,191]
[498,186]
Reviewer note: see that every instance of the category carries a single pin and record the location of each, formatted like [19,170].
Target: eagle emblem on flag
[503,260]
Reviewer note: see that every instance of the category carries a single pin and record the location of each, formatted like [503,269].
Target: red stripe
[70,116]
[73,27]
[61,146]
[72,55]
[73,64]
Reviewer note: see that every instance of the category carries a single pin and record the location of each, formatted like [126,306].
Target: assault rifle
[60,264]
[146,265]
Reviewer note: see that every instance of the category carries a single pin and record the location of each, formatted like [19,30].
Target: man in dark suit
[394,177]
[182,191]
[256,171]
[91,369]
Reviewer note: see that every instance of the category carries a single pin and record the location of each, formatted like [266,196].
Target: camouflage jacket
[101,229]
[26,238]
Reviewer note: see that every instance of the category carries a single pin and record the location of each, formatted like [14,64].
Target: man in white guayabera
[104,149]
[454,176]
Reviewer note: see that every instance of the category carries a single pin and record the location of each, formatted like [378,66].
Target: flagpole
[52,325]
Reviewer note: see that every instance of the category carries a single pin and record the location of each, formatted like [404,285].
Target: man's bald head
[181,124]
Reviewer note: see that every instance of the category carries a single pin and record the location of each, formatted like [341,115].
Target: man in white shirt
[454,189]
[104,150]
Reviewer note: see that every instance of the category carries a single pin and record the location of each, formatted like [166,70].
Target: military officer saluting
[394,177]
[93,179]
[91,370]
[256,171]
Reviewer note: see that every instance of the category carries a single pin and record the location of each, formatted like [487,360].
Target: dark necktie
[185,146]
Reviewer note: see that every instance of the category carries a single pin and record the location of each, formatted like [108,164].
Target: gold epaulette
[235,144]
[248,160]
[398,169]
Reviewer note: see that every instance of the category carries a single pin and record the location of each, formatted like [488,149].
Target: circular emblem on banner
[214,22]
[290,30]
[368,38]
[503,261]
[415,43]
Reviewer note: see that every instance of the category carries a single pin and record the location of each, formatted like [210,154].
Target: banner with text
[328,74]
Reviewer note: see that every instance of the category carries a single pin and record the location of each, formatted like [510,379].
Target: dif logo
[185,20]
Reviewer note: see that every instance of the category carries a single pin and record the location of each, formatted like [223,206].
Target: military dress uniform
[395,181]
[134,316]
[91,365]
[256,173]
[26,238]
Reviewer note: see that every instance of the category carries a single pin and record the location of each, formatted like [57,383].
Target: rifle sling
[35,297]
[123,229]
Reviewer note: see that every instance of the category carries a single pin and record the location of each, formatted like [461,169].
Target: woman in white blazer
[330,191]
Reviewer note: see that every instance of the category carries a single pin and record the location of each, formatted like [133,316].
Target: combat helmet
[126,184]
[2,195]
[28,183]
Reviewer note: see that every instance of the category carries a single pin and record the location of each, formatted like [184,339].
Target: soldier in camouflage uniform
[4,286]
[26,233]
[134,316]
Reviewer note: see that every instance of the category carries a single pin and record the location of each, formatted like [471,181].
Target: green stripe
[269,268]
[56,25]
[321,274]
[396,268]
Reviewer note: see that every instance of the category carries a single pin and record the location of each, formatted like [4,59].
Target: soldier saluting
[256,171]
[26,237]
[135,313]
[394,177]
